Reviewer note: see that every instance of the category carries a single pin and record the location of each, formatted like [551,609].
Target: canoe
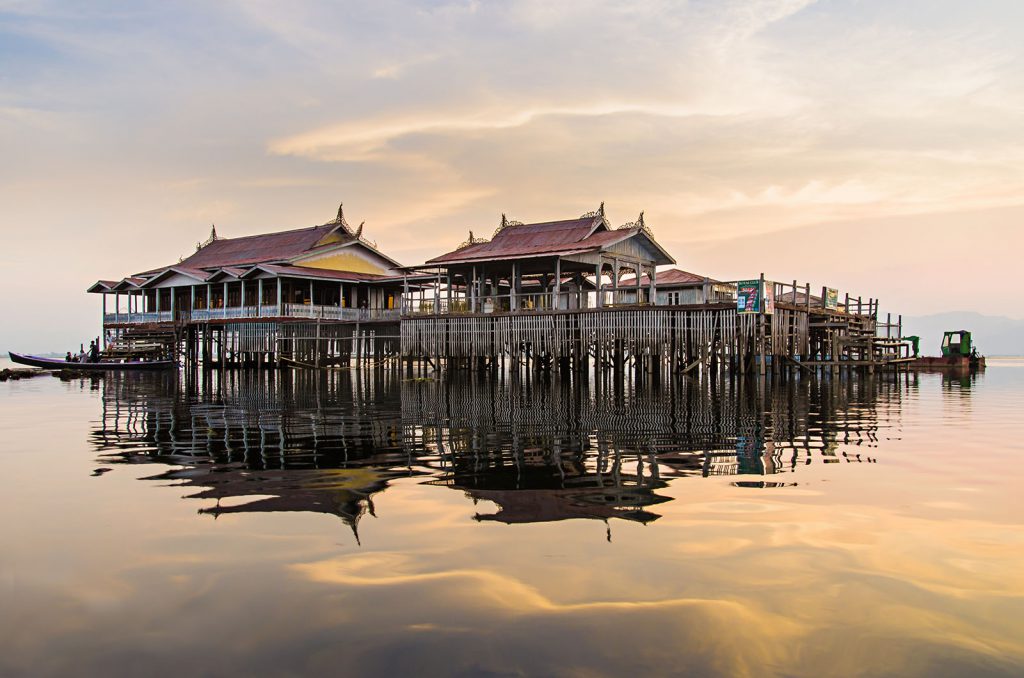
[58,364]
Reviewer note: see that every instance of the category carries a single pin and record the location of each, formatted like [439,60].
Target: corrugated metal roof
[326,274]
[672,277]
[254,249]
[549,237]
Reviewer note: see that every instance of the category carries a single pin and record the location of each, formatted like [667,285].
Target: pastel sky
[877,147]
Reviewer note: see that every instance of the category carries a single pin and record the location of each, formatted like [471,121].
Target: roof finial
[213,231]
[600,209]
[359,230]
[340,219]
[640,220]
[504,220]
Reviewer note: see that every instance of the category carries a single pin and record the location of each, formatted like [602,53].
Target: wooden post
[259,296]
[473,292]
[558,284]
[638,269]
[597,283]
[761,329]
[653,293]
[242,303]
[280,302]
[224,309]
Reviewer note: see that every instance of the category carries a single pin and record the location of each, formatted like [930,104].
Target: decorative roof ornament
[471,241]
[638,224]
[598,213]
[505,223]
[213,238]
[359,230]
[340,219]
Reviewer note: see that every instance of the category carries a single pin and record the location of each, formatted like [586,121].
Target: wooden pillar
[653,292]
[615,282]
[473,292]
[597,284]
[405,291]
[191,301]
[242,302]
[762,368]
[513,298]
[556,302]
[280,299]
[259,296]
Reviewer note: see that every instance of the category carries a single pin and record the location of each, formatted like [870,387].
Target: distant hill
[993,334]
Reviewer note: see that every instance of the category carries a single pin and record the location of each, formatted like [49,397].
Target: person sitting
[68,358]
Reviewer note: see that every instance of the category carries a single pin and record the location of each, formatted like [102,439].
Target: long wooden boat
[58,364]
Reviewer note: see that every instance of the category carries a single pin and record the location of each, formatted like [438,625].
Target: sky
[876,147]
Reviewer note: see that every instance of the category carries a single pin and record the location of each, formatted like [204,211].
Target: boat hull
[53,364]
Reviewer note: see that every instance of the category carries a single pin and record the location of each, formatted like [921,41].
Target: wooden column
[280,299]
[638,269]
[653,292]
[513,298]
[556,302]
[259,296]
[597,284]
[224,312]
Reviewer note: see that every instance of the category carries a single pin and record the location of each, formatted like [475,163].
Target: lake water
[368,524]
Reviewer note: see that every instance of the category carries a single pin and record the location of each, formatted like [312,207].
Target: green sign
[748,296]
[832,298]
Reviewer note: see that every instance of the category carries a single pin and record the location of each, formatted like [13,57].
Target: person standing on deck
[94,352]
[81,353]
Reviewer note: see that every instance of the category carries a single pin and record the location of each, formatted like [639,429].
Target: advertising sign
[832,298]
[748,296]
[769,297]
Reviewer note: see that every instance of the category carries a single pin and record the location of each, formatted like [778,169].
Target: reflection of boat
[58,364]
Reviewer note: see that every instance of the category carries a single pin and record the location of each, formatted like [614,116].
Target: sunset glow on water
[364,523]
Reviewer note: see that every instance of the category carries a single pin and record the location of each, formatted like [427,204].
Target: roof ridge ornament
[638,224]
[340,219]
[599,212]
[505,223]
[472,241]
[213,238]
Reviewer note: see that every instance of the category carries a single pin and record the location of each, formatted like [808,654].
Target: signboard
[769,297]
[748,296]
[832,298]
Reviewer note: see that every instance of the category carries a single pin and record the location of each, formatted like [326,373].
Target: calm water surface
[368,524]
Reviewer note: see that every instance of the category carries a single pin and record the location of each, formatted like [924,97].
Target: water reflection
[528,450]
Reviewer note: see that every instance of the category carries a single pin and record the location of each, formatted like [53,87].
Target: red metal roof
[254,249]
[326,274]
[672,277]
[549,237]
